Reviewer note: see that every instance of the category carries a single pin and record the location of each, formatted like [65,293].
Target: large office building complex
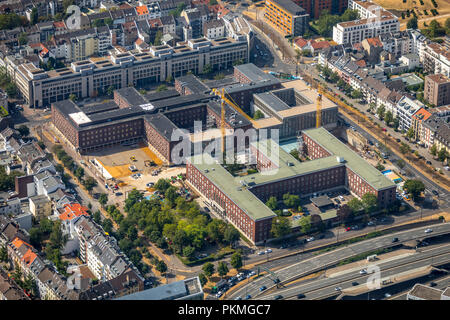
[315,7]
[241,200]
[92,77]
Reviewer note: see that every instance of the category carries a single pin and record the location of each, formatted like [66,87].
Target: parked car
[433,284]
[262,288]
[248,297]
[238,298]
[119,194]
[429,162]
[348,229]
[363,271]
[370,223]
[310,239]
[261,253]
[435,192]
[268,250]
[278,297]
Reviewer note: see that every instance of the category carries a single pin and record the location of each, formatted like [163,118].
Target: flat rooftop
[253,73]
[358,165]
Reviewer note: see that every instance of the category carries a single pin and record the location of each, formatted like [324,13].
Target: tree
[291,201]
[108,21]
[305,224]
[161,87]
[380,111]
[219,76]
[79,172]
[404,148]
[11,90]
[369,202]
[207,69]
[23,39]
[203,279]
[162,185]
[103,199]
[3,254]
[73,97]
[355,205]
[258,115]
[89,183]
[414,187]
[161,266]
[24,131]
[158,37]
[280,227]
[208,269]
[110,91]
[433,150]
[222,268]
[344,213]
[188,251]
[107,225]
[412,23]
[272,203]
[388,117]
[236,260]
[356,94]
[410,133]
[442,154]
[231,235]
[97,216]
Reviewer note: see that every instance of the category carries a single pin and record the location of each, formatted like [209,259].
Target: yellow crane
[224,100]
[319,106]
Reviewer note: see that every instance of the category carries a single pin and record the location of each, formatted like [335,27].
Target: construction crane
[319,106]
[224,100]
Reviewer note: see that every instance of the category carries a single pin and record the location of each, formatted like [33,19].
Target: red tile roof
[141,10]
[73,210]
[301,42]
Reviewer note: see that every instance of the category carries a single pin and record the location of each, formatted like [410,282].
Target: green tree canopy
[222,268]
[208,269]
[280,227]
[236,260]
[414,187]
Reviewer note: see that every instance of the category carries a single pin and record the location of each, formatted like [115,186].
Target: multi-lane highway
[326,287]
[331,258]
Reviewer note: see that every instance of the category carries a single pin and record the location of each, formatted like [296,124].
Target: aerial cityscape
[224,150]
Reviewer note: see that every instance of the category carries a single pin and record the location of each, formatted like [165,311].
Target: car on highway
[387,295]
[355,283]
[395,240]
[338,288]
[363,271]
[260,253]
[238,298]
[268,250]
[262,288]
[278,297]
[433,284]
[310,239]
[428,230]
[300,296]
[248,297]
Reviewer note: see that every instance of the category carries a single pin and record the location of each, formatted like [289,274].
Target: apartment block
[435,59]
[437,89]
[373,21]
[286,17]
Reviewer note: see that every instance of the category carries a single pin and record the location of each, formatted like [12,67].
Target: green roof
[232,187]
[352,160]
[329,214]
[236,188]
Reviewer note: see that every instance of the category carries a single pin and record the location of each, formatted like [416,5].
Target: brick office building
[240,200]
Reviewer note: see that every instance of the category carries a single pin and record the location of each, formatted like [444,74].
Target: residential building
[373,21]
[214,29]
[435,59]
[286,17]
[40,206]
[417,124]
[405,110]
[99,251]
[437,89]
